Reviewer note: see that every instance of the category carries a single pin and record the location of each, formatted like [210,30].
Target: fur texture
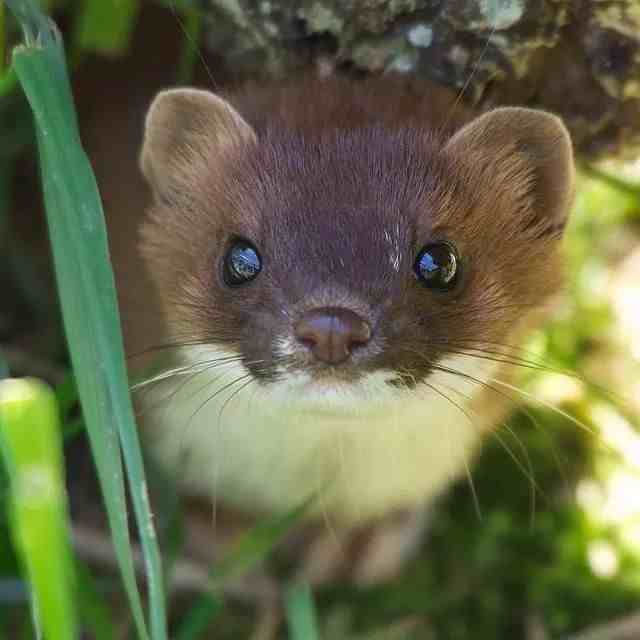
[339,185]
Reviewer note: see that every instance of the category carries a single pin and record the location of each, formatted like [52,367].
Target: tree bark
[579,59]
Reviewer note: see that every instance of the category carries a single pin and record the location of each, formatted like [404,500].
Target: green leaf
[105,26]
[301,616]
[87,293]
[32,452]
[615,182]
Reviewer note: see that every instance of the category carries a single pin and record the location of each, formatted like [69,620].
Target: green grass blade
[87,293]
[256,544]
[620,184]
[105,26]
[301,616]
[198,619]
[32,452]
[103,437]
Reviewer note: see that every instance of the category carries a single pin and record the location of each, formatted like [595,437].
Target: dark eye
[241,264]
[437,266]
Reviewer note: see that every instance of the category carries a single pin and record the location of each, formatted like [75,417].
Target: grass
[105,27]
[88,299]
[484,578]
[301,613]
[32,452]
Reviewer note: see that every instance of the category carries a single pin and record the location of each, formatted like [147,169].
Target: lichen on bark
[578,58]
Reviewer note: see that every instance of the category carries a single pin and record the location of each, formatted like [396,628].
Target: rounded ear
[185,130]
[530,151]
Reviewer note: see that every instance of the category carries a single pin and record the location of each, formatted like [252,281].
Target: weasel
[343,270]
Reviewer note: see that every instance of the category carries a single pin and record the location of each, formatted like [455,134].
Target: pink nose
[332,333]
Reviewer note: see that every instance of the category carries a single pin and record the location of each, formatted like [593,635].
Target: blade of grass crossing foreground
[87,293]
[32,452]
[301,615]
[103,436]
[253,546]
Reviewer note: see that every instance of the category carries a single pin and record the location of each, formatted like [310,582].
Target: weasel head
[332,262]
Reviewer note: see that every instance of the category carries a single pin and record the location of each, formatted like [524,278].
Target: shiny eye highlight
[437,266]
[241,264]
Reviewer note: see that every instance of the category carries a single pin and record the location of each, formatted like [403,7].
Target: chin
[328,394]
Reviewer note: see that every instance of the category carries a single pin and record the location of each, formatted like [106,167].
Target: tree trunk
[579,59]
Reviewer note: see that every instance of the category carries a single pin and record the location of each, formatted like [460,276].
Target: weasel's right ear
[185,129]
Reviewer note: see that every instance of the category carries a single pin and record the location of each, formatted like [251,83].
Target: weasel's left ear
[186,130]
[524,152]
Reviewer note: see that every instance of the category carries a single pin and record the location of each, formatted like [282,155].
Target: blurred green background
[555,546]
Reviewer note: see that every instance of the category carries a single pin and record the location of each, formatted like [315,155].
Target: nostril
[309,331]
[332,333]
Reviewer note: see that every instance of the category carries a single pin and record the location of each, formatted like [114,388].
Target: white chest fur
[268,448]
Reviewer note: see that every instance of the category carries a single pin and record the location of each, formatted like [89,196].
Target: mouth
[324,391]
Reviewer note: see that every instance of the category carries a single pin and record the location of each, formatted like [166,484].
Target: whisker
[233,395]
[190,375]
[183,452]
[509,352]
[548,405]
[554,451]
[174,392]
[474,494]
[210,398]
[529,471]
[177,342]
[470,77]
[211,382]
[506,395]
[216,394]
[482,354]
[483,384]
[248,380]
[182,370]
[607,394]
[193,42]
[523,393]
